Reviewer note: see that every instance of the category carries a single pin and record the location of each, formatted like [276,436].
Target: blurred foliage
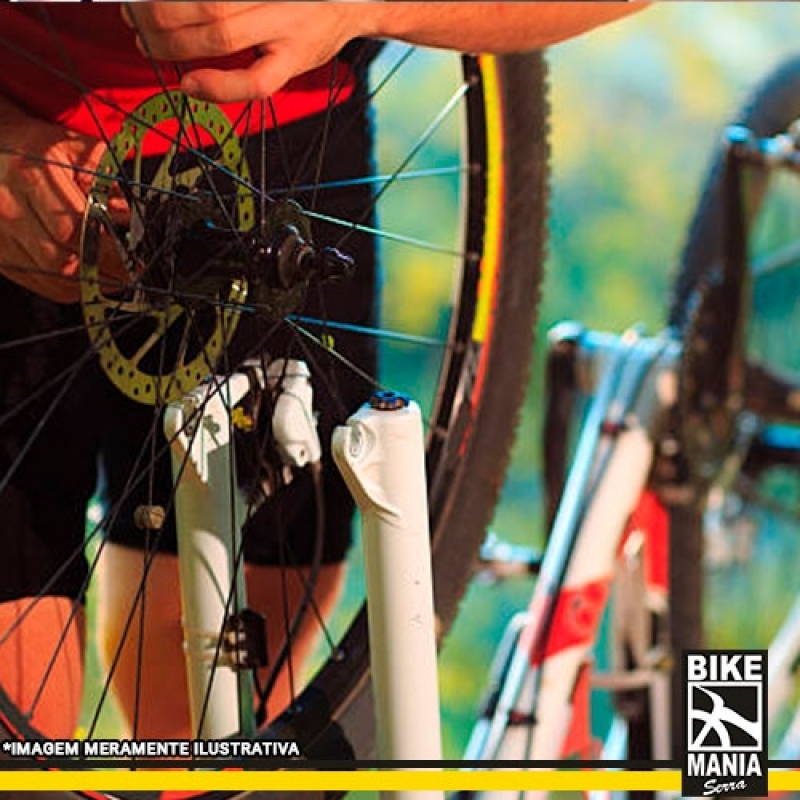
[637,108]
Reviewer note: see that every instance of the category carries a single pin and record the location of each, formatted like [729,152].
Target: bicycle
[170,329]
[664,456]
[465,512]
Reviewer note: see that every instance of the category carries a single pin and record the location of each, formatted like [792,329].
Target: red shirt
[53,54]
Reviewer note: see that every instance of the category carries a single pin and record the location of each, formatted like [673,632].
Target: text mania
[720,765]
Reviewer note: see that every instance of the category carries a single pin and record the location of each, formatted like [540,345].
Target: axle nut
[388,401]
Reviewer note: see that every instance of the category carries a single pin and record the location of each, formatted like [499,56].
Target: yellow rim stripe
[494,210]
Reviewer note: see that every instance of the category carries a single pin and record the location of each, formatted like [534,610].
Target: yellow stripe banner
[361,780]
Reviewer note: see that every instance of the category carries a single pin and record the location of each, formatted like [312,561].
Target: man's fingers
[168,16]
[43,197]
[119,210]
[48,254]
[113,274]
[261,80]
[86,154]
[48,269]
[58,204]
[48,236]
[197,33]
[17,266]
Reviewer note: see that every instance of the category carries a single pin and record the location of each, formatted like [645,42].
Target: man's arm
[493,27]
[293,38]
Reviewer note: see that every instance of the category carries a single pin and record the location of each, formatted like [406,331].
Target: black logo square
[725,740]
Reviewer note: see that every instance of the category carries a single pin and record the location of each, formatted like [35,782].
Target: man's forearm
[491,27]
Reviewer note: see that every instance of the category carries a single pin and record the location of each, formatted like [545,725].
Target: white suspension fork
[380,452]
[209,513]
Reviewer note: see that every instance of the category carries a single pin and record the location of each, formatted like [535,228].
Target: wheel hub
[196,258]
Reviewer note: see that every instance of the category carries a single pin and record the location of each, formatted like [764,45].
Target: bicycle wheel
[732,394]
[455,332]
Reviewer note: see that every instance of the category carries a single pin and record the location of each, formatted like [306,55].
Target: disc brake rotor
[165,332]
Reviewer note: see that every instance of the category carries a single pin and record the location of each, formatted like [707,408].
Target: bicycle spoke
[784,258]
[132,116]
[319,343]
[446,111]
[377,180]
[75,78]
[92,173]
[385,235]
[374,332]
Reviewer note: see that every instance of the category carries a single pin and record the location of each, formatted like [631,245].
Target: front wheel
[458,298]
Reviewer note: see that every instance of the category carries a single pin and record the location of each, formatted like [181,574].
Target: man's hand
[288,39]
[43,191]
[292,38]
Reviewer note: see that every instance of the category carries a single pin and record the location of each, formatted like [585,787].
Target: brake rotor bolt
[149,518]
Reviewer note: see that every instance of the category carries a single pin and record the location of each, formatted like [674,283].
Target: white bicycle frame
[632,381]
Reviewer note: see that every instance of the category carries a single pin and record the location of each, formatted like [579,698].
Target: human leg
[140,637]
[47,462]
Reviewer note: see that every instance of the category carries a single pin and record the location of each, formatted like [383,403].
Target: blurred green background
[637,108]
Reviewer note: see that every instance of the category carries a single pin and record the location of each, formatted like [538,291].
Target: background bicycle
[615,243]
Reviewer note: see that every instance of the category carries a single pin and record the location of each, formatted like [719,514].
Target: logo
[726,723]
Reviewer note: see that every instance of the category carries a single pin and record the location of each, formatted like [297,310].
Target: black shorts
[88,435]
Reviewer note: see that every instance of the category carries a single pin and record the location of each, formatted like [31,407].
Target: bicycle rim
[479,331]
